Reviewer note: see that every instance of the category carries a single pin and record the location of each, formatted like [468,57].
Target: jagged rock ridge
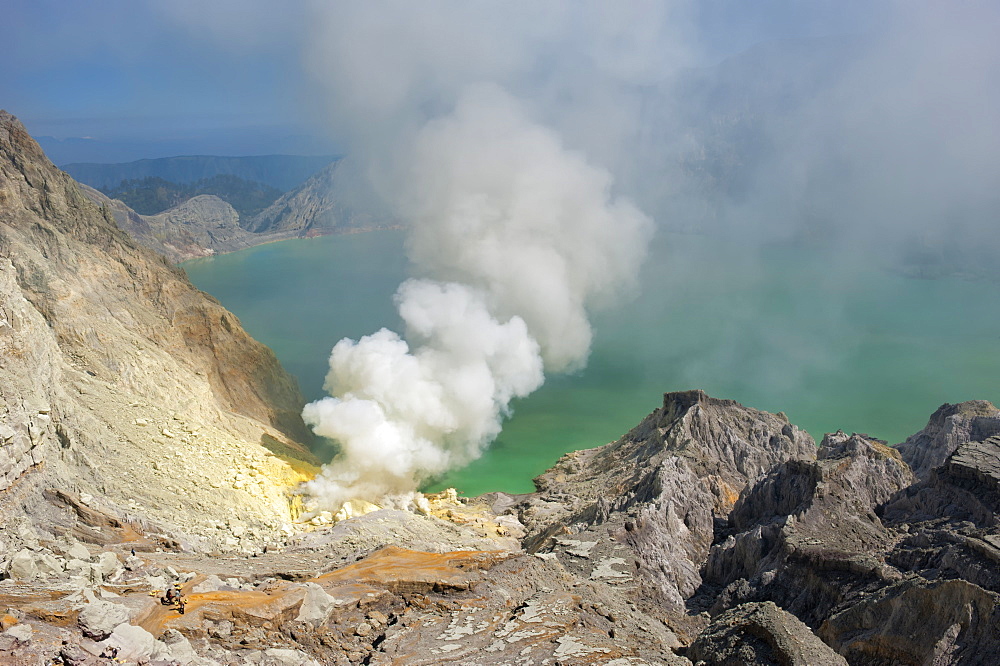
[315,207]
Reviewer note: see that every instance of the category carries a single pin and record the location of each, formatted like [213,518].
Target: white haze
[877,143]
[453,110]
[513,236]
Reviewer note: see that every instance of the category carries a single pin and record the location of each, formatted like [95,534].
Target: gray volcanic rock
[99,618]
[314,208]
[950,523]
[123,385]
[949,427]
[807,526]
[761,633]
[885,570]
[965,488]
[640,512]
[919,622]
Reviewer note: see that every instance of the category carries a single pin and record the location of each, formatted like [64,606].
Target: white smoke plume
[514,236]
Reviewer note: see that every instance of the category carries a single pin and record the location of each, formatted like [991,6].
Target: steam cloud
[514,237]
[870,135]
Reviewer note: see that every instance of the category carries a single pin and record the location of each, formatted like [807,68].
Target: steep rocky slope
[641,512]
[313,208]
[122,383]
[206,225]
[199,227]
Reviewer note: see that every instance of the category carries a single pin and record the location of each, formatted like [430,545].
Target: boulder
[74,655]
[21,632]
[28,564]
[212,583]
[98,619]
[283,657]
[78,551]
[316,605]
[22,565]
[107,565]
[179,648]
[761,633]
[130,643]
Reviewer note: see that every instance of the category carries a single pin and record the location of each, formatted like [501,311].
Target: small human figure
[171,596]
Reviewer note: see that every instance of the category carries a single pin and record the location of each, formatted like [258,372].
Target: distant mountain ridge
[159,205]
[316,207]
[281,171]
[152,195]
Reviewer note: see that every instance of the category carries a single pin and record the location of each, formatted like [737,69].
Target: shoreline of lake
[861,350]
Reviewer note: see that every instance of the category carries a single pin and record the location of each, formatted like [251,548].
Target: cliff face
[199,227]
[313,208]
[206,225]
[117,373]
[645,507]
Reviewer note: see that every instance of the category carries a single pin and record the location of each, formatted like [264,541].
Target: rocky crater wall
[122,382]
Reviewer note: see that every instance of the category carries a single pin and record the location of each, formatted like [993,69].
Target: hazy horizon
[116,81]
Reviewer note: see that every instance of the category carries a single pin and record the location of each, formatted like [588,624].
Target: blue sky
[136,74]
[145,78]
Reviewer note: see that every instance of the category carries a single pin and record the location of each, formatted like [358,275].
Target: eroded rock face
[640,513]
[919,622]
[761,633]
[948,428]
[315,207]
[807,526]
[883,567]
[120,381]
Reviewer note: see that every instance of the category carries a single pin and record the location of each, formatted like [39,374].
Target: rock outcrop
[200,227]
[949,427]
[883,567]
[761,633]
[809,526]
[206,225]
[316,207]
[641,512]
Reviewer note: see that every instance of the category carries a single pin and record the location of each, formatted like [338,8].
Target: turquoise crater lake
[842,345]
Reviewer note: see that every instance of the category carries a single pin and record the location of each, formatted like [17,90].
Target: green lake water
[835,344]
